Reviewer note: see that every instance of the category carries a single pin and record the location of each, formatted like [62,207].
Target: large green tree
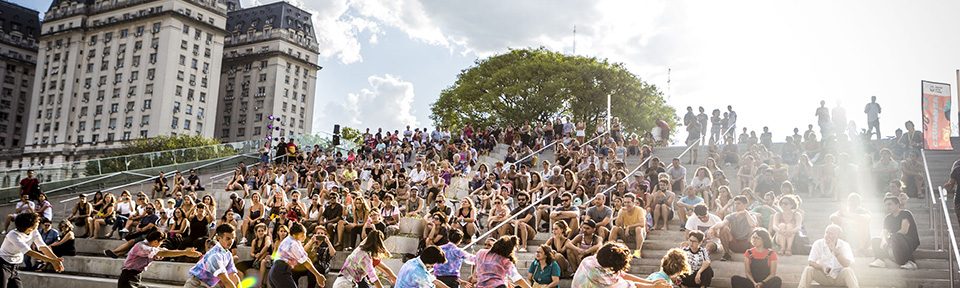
[537,85]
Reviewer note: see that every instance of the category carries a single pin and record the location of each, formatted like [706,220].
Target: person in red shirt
[30,186]
[760,262]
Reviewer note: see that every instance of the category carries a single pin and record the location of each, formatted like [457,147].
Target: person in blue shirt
[449,271]
[686,203]
[673,264]
[416,273]
[544,271]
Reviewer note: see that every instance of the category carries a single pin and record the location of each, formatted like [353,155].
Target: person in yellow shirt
[631,220]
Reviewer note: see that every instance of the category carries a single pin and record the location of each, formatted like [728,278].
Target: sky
[386,61]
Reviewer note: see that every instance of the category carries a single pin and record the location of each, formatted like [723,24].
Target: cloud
[387,103]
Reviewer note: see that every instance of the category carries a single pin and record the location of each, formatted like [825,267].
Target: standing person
[416,272]
[702,119]
[699,260]
[715,127]
[873,117]
[17,243]
[760,263]
[448,272]
[900,238]
[830,261]
[142,254]
[608,269]
[823,119]
[217,265]
[496,266]
[731,118]
[361,266]
[689,118]
[693,140]
[289,254]
[952,185]
[30,186]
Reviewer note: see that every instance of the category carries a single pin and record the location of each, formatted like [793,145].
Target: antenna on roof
[574,39]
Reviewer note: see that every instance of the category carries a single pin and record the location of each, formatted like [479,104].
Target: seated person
[686,203]
[851,218]
[704,221]
[760,262]
[524,221]
[830,262]
[567,212]
[147,224]
[786,224]
[698,258]
[661,203]
[24,206]
[900,238]
[601,215]
[82,214]
[631,220]
[585,244]
[736,228]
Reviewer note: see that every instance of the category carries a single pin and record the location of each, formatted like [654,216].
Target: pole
[609,117]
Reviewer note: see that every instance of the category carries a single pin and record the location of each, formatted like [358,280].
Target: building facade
[116,70]
[269,73]
[19,30]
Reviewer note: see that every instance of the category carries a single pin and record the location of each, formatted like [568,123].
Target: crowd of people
[306,204]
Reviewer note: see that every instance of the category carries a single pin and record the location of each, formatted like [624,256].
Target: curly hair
[674,263]
[614,256]
[505,246]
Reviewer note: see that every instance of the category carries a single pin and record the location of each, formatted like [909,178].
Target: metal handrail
[932,205]
[955,256]
[533,204]
[524,158]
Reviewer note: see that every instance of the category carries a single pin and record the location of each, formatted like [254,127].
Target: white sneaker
[243,240]
[910,265]
[124,230]
[878,263]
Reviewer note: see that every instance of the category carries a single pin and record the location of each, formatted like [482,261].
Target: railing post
[99,168]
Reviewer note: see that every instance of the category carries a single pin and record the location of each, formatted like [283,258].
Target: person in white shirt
[703,222]
[24,206]
[830,262]
[17,243]
[418,175]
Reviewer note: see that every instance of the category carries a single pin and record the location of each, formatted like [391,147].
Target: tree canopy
[526,85]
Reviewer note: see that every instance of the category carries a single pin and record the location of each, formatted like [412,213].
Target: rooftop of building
[278,15]
[16,18]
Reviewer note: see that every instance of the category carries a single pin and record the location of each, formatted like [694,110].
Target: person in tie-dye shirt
[289,254]
[416,272]
[216,266]
[608,269]
[449,271]
[362,265]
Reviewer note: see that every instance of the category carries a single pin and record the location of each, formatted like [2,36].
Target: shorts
[80,222]
[739,245]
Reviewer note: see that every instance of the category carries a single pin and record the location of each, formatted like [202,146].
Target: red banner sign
[936,115]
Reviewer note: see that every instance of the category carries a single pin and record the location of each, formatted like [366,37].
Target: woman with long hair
[361,266]
[786,224]
[361,209]
[255,213]
[760,263]
[495,267]
[105,216]
[66,245]
[466,218]
[180,227]
[544,272]
[560,246]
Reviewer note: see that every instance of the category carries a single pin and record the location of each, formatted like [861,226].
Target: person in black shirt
[147,224]
[442,207]
[332,213]
[193,182]
[900,238]
[952,184]
[525,221]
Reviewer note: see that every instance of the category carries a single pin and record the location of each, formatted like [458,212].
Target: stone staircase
[91,269]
